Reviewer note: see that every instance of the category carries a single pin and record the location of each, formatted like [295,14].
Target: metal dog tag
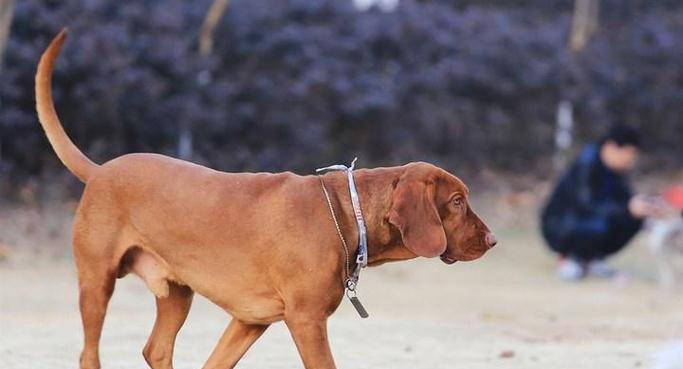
[358,306]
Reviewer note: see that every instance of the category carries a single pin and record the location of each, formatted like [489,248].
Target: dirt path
[424,314]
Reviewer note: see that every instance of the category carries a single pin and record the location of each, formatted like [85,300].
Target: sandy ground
[424,314]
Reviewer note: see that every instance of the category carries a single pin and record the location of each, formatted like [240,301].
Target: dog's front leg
[310,336]
[236,340]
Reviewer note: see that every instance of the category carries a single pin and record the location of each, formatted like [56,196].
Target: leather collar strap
[362,256]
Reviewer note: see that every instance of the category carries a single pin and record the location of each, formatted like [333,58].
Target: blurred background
[502,93]
[469,85]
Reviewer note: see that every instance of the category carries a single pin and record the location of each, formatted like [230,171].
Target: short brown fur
[261,246]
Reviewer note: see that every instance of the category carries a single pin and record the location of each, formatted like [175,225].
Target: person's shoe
[600,269]
[570,270]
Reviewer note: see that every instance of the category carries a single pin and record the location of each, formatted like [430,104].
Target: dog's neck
[375,189]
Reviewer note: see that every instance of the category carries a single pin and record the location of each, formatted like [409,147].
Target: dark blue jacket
[589,189]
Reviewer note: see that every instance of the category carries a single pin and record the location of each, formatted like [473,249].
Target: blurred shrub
[298,84]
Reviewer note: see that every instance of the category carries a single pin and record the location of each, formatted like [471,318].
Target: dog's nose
[491,239]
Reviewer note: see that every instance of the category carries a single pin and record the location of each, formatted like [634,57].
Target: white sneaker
[600,269]
[570,270]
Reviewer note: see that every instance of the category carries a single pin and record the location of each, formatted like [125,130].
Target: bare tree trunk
[6,13]
[584,23]
[185,142]
[564,132]
[210,22]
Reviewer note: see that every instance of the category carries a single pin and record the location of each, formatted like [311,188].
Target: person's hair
[623,135]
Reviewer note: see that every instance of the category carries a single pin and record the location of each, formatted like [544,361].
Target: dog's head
[431,210]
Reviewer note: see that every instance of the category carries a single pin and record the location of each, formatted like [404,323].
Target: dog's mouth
[448,259]
[472,253]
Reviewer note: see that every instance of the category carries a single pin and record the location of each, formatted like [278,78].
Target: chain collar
[362,256]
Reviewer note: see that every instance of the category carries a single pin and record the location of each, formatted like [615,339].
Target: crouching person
[592,213]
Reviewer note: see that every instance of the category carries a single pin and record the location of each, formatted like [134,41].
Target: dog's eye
[457,201]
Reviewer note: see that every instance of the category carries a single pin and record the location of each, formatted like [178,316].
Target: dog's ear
[414,213]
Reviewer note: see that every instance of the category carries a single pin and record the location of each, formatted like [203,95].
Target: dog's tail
[68,153]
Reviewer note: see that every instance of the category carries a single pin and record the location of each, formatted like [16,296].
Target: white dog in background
[665,239]
[666,242]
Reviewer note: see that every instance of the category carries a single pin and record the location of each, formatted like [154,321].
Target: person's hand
[643,206]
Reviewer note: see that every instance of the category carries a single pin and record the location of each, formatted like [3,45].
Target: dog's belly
[253,309]
[249,300]
[243,293]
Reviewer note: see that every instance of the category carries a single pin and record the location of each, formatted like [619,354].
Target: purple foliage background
[297,84]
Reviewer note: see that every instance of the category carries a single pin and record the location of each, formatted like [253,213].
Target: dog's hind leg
[95,238]
[96,287]
[171,313]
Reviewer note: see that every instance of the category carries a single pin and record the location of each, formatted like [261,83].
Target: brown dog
[261,246]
